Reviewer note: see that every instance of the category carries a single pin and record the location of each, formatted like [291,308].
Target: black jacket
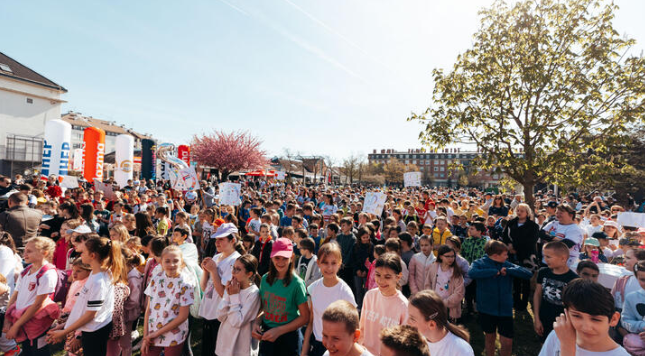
[265,259]
[524,240]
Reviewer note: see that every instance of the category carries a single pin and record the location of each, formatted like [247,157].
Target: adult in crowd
[521,236]
[19,220]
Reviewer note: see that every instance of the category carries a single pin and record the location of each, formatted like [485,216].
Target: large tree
[544,82]
[229,152]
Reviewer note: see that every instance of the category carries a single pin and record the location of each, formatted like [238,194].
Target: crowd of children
[287,274]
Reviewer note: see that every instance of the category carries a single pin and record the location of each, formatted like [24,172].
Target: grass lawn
[526,342]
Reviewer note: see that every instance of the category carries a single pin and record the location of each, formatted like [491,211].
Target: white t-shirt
[28,289]
[8,266]
[365,353]
[96,295]
[210,300]
[551,347]
[322,296]
[570,232]
[451,344]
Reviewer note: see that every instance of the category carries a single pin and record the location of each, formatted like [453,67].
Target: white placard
[229,193]
[108,193]
[280,175]
[185,179]
[412,179]
[631,219]
[69,182]
[374,203]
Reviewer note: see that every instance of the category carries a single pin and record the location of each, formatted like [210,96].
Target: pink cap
[282,247]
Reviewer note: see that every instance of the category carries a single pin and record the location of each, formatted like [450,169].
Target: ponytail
[431,306]
[110,256]
[239,247]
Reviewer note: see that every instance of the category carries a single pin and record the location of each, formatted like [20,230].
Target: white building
[27,101]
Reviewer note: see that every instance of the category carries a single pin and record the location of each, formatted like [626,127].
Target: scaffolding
[22,153]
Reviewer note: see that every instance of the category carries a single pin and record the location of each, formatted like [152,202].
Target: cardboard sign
[374,203]
[108,193]
[229,193]
[631,219]
[412,179]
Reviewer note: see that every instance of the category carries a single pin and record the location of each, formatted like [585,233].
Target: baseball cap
[592,242]
[225,230]
[218,222]
[82,229]
[191,196]
[282,247]
[552,204]
[612,224]
[600,235]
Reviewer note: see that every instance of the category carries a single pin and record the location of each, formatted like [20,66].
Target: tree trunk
[528,194]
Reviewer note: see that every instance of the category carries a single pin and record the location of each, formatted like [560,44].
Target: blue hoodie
[495,292]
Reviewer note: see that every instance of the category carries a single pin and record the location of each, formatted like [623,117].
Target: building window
[443,162]
[441,175]
[436,169]
[30,101]
[436,175]
[436,161]
[442,168]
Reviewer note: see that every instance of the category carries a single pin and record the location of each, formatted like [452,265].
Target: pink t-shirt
[74,291]
[380,312]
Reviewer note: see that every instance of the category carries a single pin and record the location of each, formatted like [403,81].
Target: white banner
[412,179]
[374,203]
[631,219]
[77,164]
[69,182]
[229,193]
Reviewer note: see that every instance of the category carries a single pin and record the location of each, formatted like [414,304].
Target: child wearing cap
[284,305]
[592,251]
[218,271]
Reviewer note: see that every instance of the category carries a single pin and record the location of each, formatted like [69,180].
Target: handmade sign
[229,193]
[108,193]
[631,219]
[374,203]
[412,179]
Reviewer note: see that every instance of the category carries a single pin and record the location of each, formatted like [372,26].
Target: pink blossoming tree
[228,152]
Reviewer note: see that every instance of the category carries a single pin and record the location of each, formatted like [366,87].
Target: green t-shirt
[280,303]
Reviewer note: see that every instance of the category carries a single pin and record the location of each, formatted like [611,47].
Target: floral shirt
[167,295]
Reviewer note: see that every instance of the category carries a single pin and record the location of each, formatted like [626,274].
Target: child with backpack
[237,310]
[31,310]
[170,295]
[92,312]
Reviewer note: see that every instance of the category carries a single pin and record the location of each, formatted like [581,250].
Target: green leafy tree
[544,82]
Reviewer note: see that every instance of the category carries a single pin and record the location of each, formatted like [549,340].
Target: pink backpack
[62,282]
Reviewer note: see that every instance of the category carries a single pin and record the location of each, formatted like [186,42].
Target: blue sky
[326,77]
